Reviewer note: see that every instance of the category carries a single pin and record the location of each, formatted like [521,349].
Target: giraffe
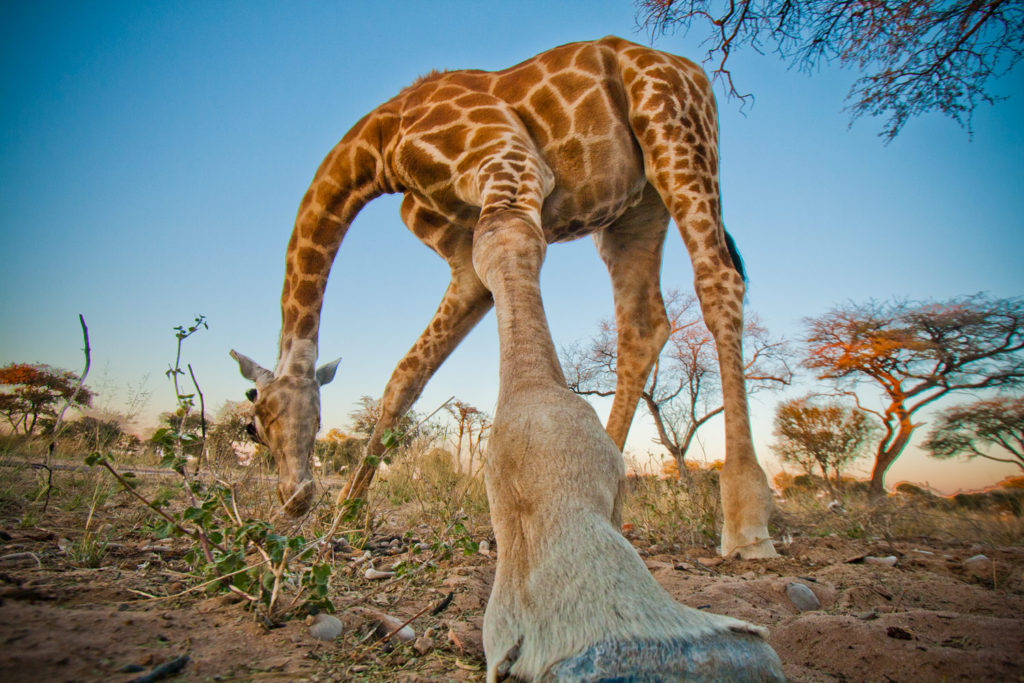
[606,138]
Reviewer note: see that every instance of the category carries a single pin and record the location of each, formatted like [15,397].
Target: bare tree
[916,353]
[915,57]
[682,393]
[826,435]
[472,424]
[975,429]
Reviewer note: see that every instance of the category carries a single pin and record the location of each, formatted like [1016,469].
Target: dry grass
[900,516]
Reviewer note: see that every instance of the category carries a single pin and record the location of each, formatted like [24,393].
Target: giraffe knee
[503,238]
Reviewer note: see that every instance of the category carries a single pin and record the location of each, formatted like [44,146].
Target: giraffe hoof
[732,656]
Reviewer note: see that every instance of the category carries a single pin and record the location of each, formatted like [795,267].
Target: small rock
[484,548]
[887,561]
[711,561]
[654,565]
[423,645]
[979,566]
[802,596]
[867,616]
[324,626]
[898,633]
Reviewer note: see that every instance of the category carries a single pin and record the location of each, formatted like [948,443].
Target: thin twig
[57,426]
[202,419]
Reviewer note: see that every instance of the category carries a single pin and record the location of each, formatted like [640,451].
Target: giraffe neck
[351,175]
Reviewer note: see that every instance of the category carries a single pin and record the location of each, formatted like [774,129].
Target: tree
[367,415]
[915,57]
[33,392]
[338,450]
[976,428]
[682,393]
[827,435]
[467,419]
[916,353]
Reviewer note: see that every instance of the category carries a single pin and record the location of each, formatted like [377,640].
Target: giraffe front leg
[572,600]
[465,302]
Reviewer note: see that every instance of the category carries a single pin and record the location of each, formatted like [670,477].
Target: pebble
[802,596]
[324,626]
[423,645]
[887,561]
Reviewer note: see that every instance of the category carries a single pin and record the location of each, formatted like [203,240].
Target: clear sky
[154,154]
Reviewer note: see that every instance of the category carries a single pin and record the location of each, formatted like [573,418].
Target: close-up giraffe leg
[571,599]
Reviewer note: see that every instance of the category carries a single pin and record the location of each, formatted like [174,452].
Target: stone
[324,626]
[802,597]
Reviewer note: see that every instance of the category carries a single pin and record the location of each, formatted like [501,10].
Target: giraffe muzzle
[296,500]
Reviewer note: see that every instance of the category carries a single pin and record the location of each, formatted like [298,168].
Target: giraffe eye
[251,395]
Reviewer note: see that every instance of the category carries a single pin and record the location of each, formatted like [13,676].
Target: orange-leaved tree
[31,393]
[915,353]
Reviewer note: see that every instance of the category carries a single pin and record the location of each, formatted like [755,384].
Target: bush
[341,453]
[674,511]
[91,434]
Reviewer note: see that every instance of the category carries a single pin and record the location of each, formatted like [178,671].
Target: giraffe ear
[251,370]
[325,373]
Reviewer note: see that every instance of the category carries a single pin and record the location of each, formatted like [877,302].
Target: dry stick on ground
[60,415]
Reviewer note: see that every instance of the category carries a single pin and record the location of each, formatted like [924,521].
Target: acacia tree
[682,394]
[826,435]
[974,429]
[915,57]
[915,353]
[31,394]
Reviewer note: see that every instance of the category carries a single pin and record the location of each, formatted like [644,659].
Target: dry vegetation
[93,585]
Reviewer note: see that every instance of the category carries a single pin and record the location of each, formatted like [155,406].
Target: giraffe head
[286,418]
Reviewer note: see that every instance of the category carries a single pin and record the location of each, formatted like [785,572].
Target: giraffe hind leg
[672,113]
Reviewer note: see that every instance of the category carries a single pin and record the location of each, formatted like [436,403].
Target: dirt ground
[933,615]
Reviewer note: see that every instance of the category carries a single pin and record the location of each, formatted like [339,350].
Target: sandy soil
[931,616]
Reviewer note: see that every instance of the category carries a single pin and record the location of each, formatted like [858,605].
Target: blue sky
[154,154]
